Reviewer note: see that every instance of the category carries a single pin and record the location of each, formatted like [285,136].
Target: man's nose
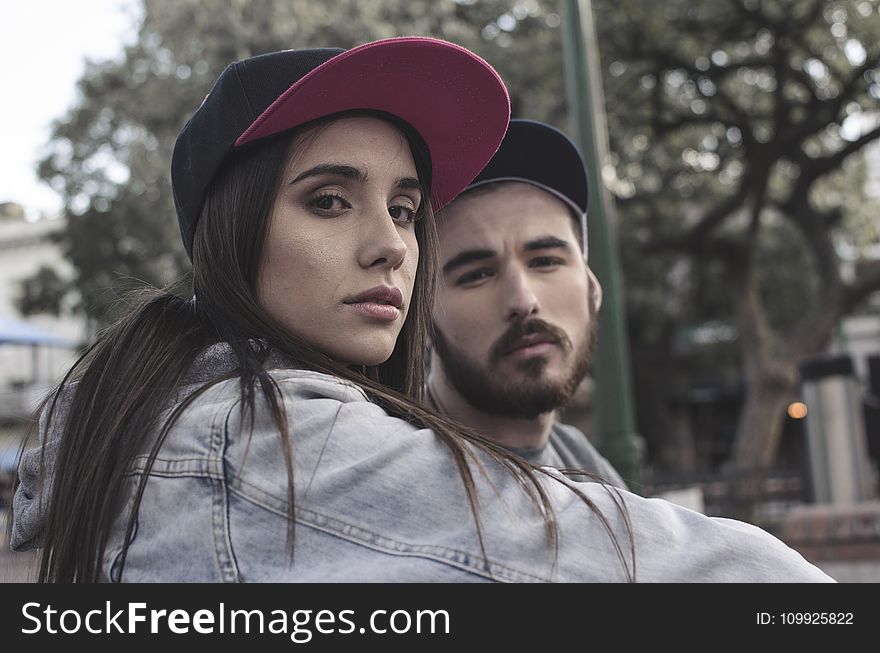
[521,300]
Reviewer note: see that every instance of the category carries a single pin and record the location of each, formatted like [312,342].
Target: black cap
[539,154]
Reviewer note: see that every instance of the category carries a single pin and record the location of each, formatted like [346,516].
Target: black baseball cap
[451,97]
[541,155]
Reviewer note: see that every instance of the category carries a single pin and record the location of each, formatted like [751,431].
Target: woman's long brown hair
[117,394]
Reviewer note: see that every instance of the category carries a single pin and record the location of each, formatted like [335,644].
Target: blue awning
[18,332]
[8,457]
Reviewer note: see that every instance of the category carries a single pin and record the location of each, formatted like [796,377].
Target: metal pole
[614,417]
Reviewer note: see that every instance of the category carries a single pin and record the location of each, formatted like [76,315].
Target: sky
[44,45]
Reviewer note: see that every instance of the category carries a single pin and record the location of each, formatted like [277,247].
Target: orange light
[797,410]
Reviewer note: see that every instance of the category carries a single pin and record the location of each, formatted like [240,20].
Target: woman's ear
[595,289]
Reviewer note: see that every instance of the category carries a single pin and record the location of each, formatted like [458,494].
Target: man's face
[515,316]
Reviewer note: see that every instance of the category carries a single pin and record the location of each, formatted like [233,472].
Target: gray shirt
[568,448]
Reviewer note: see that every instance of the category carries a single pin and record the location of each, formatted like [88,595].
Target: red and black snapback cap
[451,97]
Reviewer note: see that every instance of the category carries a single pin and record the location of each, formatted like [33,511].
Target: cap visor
[450,96]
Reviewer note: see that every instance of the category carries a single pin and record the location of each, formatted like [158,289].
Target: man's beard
[526,395]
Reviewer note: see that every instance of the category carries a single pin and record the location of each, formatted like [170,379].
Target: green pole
[612,395]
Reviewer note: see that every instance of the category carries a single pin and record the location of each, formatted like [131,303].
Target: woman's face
[340,257]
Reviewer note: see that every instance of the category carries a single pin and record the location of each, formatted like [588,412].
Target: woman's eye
[329,203]
[403,214]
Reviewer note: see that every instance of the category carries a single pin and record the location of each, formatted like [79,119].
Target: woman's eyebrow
[352,173]
[408,183]
[336,169]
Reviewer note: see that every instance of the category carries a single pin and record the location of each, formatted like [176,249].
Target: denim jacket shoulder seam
[300,375]
[220,520]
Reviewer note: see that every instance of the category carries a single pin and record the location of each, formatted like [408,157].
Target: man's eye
[473,276]
[545,261]
[329,203]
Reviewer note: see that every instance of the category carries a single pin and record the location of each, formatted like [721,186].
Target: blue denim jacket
[379,500]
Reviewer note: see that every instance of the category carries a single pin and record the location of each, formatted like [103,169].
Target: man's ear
[595,289]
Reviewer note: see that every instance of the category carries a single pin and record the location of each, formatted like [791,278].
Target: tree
[738,114]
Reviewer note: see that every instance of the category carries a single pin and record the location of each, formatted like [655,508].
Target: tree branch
[866,284]
[813,333]
[812,169]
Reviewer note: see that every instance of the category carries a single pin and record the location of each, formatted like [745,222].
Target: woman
[270,429]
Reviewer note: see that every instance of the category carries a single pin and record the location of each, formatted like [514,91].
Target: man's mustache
[518,330]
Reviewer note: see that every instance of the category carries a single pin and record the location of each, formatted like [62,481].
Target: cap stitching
[244,93]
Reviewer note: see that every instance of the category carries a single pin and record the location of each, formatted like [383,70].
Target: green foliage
[737,130]
[724,118]
[41,293]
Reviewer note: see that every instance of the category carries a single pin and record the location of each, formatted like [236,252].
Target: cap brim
[454,99]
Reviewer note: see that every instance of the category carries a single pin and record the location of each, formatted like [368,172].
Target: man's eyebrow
[547,242]
[465,257]
[471,255]
[336,169]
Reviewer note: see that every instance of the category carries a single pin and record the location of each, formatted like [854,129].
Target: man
[515,316]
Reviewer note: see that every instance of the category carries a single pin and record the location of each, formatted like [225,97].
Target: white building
[28,370]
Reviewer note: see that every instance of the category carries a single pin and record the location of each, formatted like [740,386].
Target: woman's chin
[366,356]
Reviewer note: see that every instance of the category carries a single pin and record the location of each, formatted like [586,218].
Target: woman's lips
[379,303]
[385,312]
